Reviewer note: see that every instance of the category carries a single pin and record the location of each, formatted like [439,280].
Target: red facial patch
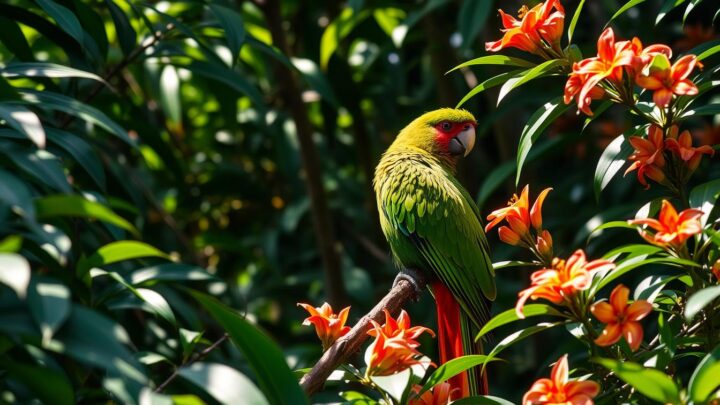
[447,130]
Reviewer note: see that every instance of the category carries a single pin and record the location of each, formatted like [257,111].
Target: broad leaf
[704,380]
[274,377]
[510,315]
[223,383]
[537,123]
[704,197]
[116,252]
[77,206]
[15,273]
[49,302]
[652,383]
[700,300]
[24,121]
[611,161]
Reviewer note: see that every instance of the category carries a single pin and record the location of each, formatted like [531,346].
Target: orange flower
[439,395]
[535,26]
[558,390]
[683,148]
[621,318]
[665,80]
[519,216]
[645,55]
[394,348]
[561,281]
[575,84]
[648,156]
[398,327]
[671,229]
[328,325]
[609,64]
[544,245]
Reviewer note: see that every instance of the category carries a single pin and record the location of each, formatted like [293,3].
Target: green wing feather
[432,223]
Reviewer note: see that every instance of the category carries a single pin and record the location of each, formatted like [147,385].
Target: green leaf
[49,302]
[690,7]
[42,69]
[388,18]
[274,377]
[24,121]
[704,197]
[652,383]
[700,300]
[16,194]
[453,368]
[668,6]
[630,4]
[520,335]
[336,31]
[40,164]
[116,252]
[493,180]
[704,380]
[11,244]
[233,25]
[495,60]
[68,105]
[611,161]
[514,263]
[13,38]
[15,273]
[77,206]
[223,383]
[488,84]
[147,300]
[611,225]
[706,49]
[229,77]
[510,315]
[649,288]
[93,339]
[125,33]
[65,19]
[482,400]
[708,109]
[81,152]
[471,19]
[633,263]
[170,272]
[575,18]
[400,32]
[50,386]
[537,123]
[538,71]
[170,94]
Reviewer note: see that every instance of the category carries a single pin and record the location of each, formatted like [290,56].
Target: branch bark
[322,219]
[405,288]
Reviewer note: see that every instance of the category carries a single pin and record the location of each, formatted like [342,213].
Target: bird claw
[415,278]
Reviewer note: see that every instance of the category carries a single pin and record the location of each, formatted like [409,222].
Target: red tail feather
[450,334]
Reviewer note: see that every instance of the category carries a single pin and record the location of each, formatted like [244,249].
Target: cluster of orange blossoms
[649,157]
[558,390]
[395,345]
[538,31]
[559,283]
[671,229]
[521,218]
[329,326]
[621,318]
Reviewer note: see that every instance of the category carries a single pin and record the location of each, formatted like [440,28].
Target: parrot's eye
[446,126]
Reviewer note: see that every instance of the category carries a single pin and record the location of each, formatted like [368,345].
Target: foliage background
[202,130]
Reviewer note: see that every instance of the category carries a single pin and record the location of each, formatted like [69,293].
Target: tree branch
[408,285]
[197,356]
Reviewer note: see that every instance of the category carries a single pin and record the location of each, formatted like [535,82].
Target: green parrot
[433,226]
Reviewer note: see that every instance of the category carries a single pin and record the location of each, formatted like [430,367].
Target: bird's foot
[414,277]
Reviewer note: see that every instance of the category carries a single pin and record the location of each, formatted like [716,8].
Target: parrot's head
[446,133]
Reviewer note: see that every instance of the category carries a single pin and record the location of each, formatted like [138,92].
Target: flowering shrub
[624,356]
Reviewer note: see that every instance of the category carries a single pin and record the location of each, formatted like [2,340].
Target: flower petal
[610,335]
[618,298]
[603,312]
[638,310]
[633,333]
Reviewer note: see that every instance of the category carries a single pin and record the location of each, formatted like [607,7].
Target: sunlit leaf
[510,315]
[116,252]
[537,123]
[611,161]
[574,21]
[652,383]
[24,121]
[495,60]
[223,383]
[274,377]
[233,25]
[704,380]
[704,197]
[77,206]
[700,300]
[627,6]
[43,69]
[49,302]
[488,84]
[125,32]
[336,31]
[15,273]
[453,368]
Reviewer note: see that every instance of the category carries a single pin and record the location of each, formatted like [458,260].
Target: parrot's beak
[464,141]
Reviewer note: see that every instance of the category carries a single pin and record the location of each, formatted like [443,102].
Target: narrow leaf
[77,206]
[24,121]
[233,25]
[510,315]
[537,123]
[453,368]
[704,380]
[495,60]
